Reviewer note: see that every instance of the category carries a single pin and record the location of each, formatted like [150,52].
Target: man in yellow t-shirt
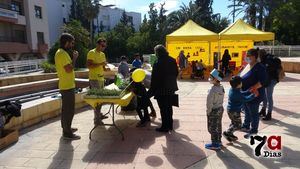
[96,62]
[65,72]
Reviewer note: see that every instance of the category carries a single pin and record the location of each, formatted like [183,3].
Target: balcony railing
[11,8]
[5,6]
[12,39]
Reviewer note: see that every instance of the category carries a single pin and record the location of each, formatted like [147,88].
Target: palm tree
[181,16]
[90,12]
[219,23]
[250,7]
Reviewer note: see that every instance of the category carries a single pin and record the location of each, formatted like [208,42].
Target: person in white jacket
[214,105]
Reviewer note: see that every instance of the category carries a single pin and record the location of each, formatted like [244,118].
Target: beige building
[24,32]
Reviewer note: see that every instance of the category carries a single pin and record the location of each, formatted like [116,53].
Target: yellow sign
[236,49]
[195,50]
[200,50]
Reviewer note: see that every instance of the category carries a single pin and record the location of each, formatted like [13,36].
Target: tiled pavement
[40,146]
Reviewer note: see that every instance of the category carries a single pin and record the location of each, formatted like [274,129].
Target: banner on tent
[196,50]
[200,50]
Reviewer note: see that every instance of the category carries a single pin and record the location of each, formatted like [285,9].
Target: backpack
[279,68]
[275,68]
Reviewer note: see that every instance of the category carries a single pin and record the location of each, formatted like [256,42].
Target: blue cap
[215,73]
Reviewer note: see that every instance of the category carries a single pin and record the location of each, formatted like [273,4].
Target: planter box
[10,137]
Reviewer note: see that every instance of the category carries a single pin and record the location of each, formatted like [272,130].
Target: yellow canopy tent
[193,39]
[240,30]
[238,38]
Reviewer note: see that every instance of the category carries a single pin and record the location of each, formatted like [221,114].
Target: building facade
[108,18]
[58,15]
[24,32]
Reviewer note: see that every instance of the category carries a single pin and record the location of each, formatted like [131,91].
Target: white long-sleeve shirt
[215,98]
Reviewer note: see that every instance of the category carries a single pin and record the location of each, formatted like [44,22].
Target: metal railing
[20,67]
[283,50]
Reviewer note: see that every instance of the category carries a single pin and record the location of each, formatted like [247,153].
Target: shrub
[48,67]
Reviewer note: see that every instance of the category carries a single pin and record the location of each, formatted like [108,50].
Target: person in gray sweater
[214,105]
[123,68]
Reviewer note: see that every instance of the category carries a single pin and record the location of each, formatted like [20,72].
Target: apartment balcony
[7,15]
[43,48]
[14,47]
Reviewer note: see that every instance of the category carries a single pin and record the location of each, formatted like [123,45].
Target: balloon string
[123,91]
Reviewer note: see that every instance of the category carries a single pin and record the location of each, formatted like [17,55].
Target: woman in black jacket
[225,62]
[163,86]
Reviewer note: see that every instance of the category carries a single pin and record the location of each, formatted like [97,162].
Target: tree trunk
[252,15]
[260,16]
[91,34]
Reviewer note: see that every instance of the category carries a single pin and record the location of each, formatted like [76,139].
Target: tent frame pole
[219,54]
[273,47]
[209,53]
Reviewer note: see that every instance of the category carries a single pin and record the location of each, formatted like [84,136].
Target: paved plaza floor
[41,146]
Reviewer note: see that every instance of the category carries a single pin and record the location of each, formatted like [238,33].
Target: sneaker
[98,122]
[71,137]
[162,130]
[103,117]
[267,118]
[141,124]
[248,135]
[244,129]
[229,136]
[213,146]
[74,130]
[262,112]
[152,114]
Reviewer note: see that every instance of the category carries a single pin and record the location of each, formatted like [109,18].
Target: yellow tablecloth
[123,101]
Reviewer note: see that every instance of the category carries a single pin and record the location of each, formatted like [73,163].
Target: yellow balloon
[138,75]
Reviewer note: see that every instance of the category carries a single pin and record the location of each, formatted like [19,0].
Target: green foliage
[86,11]
[77,13]
[286,22]
[48,67]
[279,16]
[81,43]
[52,52]
[117,41]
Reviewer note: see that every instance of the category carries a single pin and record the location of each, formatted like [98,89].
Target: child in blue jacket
[236,99]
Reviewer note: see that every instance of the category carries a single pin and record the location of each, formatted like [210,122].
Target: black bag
[175,100]
[10,109]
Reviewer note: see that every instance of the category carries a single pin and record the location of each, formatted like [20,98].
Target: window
[38,12]
[16,6]
[20,36]
[64,20]
[105,17]
[40,38]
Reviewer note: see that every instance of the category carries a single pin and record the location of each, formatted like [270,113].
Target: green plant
[104,92]
[48,67]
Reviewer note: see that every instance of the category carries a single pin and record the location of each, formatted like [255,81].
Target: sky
[142,6]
